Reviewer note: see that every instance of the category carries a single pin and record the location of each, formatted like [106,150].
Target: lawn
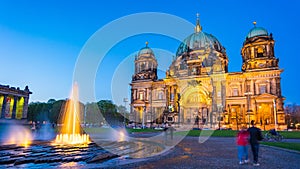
[291,146]
[142,130]
[288,134]
[220,133]
[215,133]
[196,133]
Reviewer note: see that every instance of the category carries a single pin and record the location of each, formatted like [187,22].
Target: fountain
[15,134]
[71,132]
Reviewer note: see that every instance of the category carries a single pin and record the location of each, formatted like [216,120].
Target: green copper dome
[146,50]
[199,40]
[257,31]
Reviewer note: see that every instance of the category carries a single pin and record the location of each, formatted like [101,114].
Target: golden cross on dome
[198,27]
[146,43]
[254,23]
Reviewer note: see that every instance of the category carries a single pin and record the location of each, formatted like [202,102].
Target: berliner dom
[198,89]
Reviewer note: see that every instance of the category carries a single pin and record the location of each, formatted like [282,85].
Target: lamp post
[143,117]
[275,114]
[261,111]
[248,106]
[219,118]
[124,118]
[224,115]
[84,116]
[178,102]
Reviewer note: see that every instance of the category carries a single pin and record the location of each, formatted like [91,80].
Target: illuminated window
[235,92]
[262,89]
[248,88]
[172,96]
[141,96]
[160,95]
[260,52]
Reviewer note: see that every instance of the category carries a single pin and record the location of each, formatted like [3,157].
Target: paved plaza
[216,152]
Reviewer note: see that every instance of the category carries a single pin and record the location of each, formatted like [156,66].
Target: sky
[41,41]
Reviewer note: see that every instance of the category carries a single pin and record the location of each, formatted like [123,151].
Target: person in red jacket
[242,143]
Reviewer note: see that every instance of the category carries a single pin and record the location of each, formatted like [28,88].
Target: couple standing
[253,136]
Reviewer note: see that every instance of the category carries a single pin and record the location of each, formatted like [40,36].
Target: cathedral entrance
[196,107]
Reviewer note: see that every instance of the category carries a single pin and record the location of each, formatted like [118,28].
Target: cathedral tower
[258,51]
[145,65]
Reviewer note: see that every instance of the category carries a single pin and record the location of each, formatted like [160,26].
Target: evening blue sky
[41,40]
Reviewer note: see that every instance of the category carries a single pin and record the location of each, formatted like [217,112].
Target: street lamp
[124,118]
[219,118]
[143,117]
[248,106]
[275,114]
[178,107]
[261,111]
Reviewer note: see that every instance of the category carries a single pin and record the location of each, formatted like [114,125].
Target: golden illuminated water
[71,132]
[19,135]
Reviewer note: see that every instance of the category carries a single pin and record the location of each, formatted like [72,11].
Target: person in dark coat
[255,137]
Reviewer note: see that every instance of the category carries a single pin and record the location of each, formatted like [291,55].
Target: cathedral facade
[199,90]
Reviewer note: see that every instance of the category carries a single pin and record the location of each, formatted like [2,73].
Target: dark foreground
[217,152]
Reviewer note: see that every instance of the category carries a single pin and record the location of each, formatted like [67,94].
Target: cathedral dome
[257,31]
[199,40]
[146,50]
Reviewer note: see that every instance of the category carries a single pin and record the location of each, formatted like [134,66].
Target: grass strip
[290,146]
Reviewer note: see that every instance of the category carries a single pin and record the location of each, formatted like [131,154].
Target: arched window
[262,89]
[260,52]
[160,95]
[235,92]
[141,95]
[143,66]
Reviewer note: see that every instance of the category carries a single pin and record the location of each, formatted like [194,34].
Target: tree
[92,114]
[56,109]
[292,112]
[51,101]
[110,113]
[49,111]
[38,111]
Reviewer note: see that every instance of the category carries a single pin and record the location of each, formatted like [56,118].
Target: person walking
[255,137]
[242,143]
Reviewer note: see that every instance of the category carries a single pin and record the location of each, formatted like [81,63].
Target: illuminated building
[14,102]
[198,87]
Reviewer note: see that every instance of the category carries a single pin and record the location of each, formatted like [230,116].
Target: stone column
[273,86]
[251,87]
[242,114]
[25,108]
[3,106]
[257,90]
[268,50]
[252,52]
[268,90]
[13,115]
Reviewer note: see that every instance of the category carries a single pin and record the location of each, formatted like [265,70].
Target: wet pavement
[216,152]
[45,155]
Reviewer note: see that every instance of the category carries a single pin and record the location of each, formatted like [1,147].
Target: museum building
[198,89]
[14,102]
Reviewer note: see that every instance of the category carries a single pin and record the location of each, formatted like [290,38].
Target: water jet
[71,132]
